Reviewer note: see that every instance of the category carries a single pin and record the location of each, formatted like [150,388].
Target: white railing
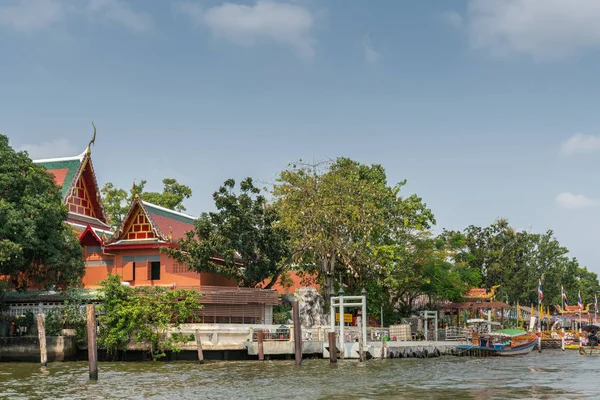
[15,310]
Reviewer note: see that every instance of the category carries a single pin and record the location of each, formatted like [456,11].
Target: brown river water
[550,375]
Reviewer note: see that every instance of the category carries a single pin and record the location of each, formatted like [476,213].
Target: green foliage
[281,314]
[243,231]
[36,246]
[53,324]
[116,200]
[115,203]
[518,260]
[338,216]
[143,315]
[172,196]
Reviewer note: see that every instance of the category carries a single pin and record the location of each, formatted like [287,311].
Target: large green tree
[519,260]
[337,215]
[244,232]
[116,200]
[37,247]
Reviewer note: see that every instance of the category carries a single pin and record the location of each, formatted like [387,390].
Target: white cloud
[543,29]
[120,13]
[283,23]
[580,143]
[372,56]
[452,18]
[570,200]
[30,16]
[54,149]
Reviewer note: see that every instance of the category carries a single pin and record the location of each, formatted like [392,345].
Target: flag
[564,297]
[596,302]
[540,293]
[579,303]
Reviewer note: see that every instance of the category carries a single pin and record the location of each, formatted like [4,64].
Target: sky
[488,108]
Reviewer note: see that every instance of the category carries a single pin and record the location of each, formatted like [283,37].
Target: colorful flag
[579,303]
[540,293]
[564,297]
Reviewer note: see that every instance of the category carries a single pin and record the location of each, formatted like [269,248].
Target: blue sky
[488,108]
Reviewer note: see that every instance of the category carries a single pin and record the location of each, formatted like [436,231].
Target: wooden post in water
[41,324]
[297,333]
[332,348]
[92,349]
[199,347]
[562,339]
[383,349]
[261,351]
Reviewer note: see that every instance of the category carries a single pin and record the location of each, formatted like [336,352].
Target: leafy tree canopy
[243,232]
[337,216]
[116,200]
[37,247]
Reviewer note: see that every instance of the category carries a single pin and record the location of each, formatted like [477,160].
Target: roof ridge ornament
[93,141]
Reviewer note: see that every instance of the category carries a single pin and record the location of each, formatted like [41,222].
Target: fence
[15,310]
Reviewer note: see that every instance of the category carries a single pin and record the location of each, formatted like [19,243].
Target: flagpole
[540,322]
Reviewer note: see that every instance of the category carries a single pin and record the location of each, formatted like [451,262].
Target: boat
[592,348]
[503,342]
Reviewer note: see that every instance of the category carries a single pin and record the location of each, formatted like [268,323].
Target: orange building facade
[133,251]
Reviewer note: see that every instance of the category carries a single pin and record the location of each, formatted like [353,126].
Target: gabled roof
[169,222]
[89,237]
[64,170]
[72,174]
[148,223]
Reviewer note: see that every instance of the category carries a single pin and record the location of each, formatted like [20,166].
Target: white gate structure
[340,303]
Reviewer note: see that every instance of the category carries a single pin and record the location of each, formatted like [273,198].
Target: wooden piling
[297,333]
[383,349]
[261,351]
[361,349]
[92,348]
[41,324]
[199,346]
[332,348]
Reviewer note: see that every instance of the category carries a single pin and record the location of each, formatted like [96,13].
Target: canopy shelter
[477,305]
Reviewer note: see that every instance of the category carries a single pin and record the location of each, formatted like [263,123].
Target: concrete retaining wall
[27,348]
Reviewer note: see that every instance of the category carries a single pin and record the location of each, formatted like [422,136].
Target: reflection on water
[550,375]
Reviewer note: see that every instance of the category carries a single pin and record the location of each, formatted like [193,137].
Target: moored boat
[591,347]
[504,342]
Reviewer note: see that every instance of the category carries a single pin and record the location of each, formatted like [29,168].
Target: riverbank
[551,374]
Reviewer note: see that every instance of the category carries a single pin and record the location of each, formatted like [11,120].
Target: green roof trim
[72,166]
[177,216]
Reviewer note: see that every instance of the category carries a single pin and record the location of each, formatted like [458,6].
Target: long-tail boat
[504,342]
[592,348]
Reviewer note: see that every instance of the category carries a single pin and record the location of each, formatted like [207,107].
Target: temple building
[133,251]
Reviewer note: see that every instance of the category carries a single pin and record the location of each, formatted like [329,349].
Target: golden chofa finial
[89,146]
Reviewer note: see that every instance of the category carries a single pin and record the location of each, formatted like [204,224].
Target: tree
[172,196]
[116,201]
[37,247]
[143,314]
[243,232]
[336,217]
[519,260]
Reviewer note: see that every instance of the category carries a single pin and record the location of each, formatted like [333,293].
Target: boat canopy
[509,332]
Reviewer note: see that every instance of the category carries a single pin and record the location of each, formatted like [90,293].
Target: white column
[364,316]
[342,340]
